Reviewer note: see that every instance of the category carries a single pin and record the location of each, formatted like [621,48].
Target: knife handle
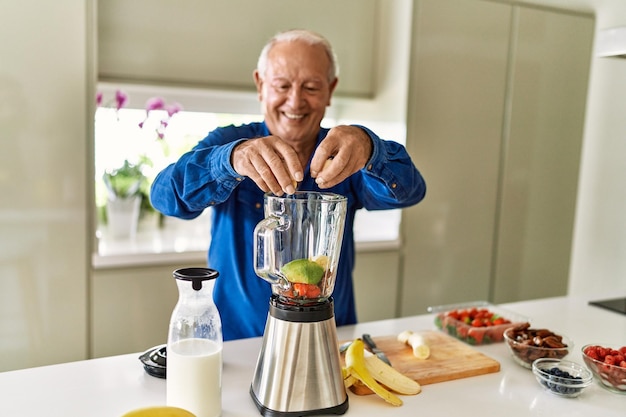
[369,341]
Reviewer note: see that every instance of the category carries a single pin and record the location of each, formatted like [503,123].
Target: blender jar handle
[265,252]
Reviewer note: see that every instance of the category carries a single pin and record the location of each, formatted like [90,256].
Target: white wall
[599,247]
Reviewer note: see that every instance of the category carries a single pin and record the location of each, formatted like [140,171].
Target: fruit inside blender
[308,278]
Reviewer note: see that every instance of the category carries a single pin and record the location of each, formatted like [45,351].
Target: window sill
[184,241]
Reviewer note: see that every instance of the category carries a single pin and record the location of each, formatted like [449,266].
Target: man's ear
[258,81]
[332,87]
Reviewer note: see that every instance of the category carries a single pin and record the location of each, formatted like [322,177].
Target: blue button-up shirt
[204,177]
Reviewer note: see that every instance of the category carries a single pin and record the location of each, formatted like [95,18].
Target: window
[118,137]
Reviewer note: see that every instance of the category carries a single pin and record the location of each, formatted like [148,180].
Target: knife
[369,342]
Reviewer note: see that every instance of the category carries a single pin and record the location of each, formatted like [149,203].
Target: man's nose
[295,96]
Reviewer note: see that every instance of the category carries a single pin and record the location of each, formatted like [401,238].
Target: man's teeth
[294,116]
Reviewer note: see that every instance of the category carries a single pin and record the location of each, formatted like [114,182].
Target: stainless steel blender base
[298,372]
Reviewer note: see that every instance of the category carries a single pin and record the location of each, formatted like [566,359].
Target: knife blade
[369,342]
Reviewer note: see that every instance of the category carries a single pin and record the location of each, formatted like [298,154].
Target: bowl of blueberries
[560,377]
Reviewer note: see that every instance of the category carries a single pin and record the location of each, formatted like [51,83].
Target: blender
[297,247]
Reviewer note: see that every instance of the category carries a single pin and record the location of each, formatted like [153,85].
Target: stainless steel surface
[298,369]
[369,342]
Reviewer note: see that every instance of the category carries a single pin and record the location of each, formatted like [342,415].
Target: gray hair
[308,36]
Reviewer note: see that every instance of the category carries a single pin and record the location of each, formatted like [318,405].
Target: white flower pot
[122,216]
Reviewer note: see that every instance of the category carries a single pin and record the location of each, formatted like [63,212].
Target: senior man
[234,166]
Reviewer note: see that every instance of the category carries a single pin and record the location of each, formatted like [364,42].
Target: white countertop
[112,386]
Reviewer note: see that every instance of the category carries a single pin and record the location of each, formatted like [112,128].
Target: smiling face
[295,91]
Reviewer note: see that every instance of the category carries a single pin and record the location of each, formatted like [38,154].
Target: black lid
[196,276]
[301,313]
[155,361]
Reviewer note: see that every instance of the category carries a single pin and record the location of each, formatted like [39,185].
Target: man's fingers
[267,176]
[271,163]
[334,172]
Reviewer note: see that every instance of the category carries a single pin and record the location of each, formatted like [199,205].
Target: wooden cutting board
[449,358]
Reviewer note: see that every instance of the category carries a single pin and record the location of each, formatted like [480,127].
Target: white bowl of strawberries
[608,365]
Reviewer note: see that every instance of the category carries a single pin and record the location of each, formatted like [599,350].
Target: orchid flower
[120,100]
[155,103]
[173,108]
[158,103]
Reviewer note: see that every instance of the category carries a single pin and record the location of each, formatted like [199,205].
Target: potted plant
[126,187]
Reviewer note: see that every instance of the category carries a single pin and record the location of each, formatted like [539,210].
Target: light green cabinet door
[376,284]
[45,113]
[543,144]
[496,112]
[131,308]
[454,128]
[216,43]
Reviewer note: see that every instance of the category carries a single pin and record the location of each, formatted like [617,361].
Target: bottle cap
[196,276]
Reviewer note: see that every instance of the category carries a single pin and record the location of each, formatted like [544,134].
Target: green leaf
[125,181]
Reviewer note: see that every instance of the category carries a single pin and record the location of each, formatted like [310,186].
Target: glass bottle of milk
[194,345]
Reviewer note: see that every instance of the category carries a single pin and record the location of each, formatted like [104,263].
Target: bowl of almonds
[528,344]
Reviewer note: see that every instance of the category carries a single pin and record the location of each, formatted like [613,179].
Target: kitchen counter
[113,385]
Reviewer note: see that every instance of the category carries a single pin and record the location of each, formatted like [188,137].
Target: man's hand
[270,162]
[344,151]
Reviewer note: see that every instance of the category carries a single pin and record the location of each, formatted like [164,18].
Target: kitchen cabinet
[376,283]
[495,122]
[541,162]
[130,307]
[216,43]
[44,235]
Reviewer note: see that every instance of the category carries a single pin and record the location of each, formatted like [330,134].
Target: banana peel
[387,378]
[390,377]
[355,365]
[372,373]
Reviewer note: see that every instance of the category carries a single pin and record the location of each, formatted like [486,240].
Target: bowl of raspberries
[608,365]
[561,377]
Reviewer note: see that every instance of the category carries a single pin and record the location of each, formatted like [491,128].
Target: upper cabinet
[216,43]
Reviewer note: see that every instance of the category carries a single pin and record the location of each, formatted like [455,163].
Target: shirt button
[257,205]
[394,185]
[239,179]
[369,167]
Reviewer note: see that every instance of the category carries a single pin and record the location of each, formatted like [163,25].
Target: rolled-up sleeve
[201,178]
[390,179]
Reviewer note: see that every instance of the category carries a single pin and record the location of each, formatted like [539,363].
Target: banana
[355,365]
[420,349]
[159,411]
[404,336]
[390,377]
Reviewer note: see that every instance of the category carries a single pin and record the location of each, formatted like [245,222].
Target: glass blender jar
[298,245]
